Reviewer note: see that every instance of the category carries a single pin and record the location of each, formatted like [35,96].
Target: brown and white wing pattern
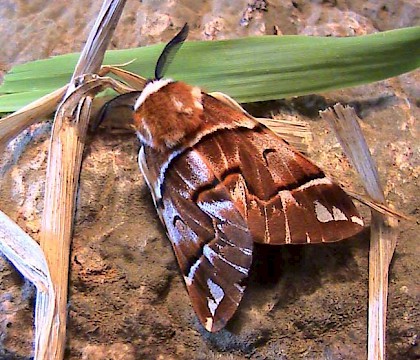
[210,238]
[229,184]
[284,198]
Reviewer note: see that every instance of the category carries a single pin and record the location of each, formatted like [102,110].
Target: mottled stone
[127,297]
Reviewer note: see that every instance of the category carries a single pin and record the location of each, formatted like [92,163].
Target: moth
[221,181]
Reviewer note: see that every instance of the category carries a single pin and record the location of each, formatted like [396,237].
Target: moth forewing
[209,236]
[221,181]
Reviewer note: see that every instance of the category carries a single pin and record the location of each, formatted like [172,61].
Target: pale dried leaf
[64,162]
[344,122]
[13,124]
[28,258]
[137,82]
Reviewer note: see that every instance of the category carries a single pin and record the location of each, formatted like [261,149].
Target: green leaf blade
[249,69]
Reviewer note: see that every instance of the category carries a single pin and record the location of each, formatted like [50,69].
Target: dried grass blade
[136,81]
[98,39]
[57,221]
[344,122]
[296,133]
[380,208]
[64,163]
[12,125]
[27,256]
[24,253]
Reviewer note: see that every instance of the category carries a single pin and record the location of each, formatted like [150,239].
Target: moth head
[167,111]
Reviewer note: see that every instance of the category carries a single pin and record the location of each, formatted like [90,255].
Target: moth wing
[282,195]
[210,238]
[299,204]
[236,182]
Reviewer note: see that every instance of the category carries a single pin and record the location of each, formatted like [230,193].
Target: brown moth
[221,181]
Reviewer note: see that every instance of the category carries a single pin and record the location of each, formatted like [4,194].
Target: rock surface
[127,298]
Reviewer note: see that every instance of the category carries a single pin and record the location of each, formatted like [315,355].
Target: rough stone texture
[127,298]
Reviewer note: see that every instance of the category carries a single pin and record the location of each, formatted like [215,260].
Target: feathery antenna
[169,52]
[126,100]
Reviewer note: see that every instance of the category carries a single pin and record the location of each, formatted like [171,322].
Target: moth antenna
[169,52]
[124,100]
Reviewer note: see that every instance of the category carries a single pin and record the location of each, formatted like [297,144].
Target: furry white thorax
[149,89]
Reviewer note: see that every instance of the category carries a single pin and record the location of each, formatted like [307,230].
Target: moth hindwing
[220,182]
